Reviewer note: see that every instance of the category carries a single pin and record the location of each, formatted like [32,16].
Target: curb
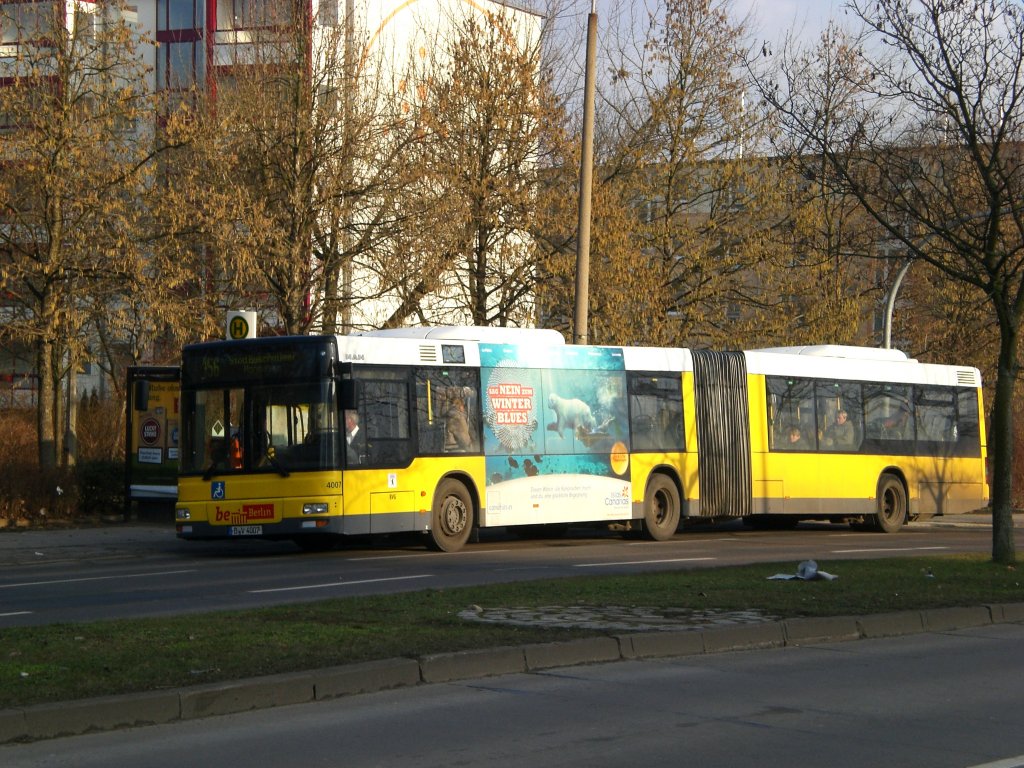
[47,721]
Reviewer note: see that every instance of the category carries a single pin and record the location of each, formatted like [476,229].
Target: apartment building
[190,44]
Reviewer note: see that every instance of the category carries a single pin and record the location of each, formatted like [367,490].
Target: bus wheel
[892,504]
[452,518]
[661,508]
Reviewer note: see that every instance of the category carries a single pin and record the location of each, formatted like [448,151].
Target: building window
[180,65]
[181,57]
[250,14]
[22,22]
[180,14]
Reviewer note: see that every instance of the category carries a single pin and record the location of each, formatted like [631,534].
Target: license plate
[246,530]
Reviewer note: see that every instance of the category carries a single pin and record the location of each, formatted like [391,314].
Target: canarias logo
[619,498]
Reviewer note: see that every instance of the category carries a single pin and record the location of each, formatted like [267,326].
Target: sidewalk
[46,721]
[114,539]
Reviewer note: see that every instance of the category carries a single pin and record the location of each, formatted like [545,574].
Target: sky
[769,19]
[774,18]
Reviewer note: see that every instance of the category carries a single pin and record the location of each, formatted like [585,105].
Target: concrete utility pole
[586,184]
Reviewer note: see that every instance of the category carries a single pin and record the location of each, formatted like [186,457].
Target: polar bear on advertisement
[573,415]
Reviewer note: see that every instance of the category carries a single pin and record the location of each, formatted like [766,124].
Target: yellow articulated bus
[447,430]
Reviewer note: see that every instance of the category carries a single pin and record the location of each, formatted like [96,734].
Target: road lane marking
[338,584]
[15,613]
[375,558]
[683,539]
[96,578]
[883,549]
[644,562]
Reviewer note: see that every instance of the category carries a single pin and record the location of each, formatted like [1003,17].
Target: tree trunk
[59,405]
[329,324]
[44,408]
[1001,449]
[71,418]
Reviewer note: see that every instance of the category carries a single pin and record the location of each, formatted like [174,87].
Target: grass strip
[60,662]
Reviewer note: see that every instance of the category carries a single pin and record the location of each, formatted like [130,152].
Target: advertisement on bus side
[555,433]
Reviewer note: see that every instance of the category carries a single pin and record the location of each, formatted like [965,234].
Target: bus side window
[385,413]
[430,432]
[887,412]
[457,410]
[840,416]
[446,411]
[968,435]
[656,412]
[794,410]
[935,416]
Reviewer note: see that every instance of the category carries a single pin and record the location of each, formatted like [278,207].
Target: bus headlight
[182,513]
[317,508]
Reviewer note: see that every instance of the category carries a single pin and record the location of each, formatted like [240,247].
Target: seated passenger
[894,427]
[796,441]
[840,435]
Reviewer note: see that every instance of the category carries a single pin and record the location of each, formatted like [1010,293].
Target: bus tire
[661,508]
[891,504]
[452,517]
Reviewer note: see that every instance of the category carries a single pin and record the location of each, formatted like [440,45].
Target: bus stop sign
[241,325]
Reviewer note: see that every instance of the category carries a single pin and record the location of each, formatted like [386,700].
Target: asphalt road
[134,570]
[933,700]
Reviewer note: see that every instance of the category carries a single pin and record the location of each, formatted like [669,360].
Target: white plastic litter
[806,571]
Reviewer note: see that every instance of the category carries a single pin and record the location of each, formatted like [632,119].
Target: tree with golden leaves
[486,111]
[75,151]
[299,160]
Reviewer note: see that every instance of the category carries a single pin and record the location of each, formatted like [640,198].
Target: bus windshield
[261,427]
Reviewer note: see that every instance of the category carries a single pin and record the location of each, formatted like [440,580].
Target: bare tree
[924,129]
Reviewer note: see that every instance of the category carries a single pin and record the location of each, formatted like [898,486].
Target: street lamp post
[586,185]
[890,302]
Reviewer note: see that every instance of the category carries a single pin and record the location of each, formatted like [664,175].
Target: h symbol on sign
[239,328]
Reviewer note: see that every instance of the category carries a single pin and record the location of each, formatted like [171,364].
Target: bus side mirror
[349,394]
[140,395]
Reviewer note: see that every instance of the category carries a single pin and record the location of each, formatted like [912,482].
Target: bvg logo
[224,515]
[249,513]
